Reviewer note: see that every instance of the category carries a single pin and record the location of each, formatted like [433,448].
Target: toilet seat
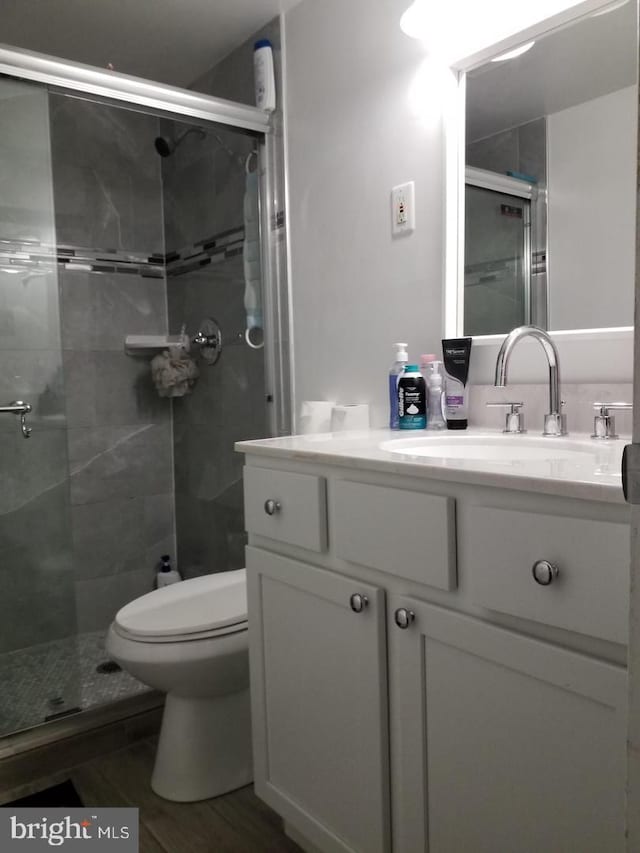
[196,609]
[181,638]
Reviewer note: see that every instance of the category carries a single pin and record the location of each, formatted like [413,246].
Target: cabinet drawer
[590,594]
[300,516]
[407,534]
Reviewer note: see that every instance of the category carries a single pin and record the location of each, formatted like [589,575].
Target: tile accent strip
[31,255]
[212,250]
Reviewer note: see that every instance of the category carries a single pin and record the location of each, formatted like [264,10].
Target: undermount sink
[532,455]
[499,448]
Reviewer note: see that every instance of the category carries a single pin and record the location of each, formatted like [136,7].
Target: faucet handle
[604,424]
[514,418]
[620,407]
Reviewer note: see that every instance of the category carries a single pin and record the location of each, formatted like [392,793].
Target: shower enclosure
[505,281]
[121,213]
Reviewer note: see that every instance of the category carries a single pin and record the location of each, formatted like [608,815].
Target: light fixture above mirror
[438,24]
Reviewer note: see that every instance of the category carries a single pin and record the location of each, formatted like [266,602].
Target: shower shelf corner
[146,346]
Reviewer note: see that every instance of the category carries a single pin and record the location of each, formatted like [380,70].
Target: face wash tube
[456,356]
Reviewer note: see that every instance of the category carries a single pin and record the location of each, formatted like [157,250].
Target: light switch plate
[403,211]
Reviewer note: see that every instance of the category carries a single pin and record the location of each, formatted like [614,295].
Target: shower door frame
[172,100]
[505,185]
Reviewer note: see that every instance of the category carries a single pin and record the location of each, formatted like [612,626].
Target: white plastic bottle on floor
[166,574]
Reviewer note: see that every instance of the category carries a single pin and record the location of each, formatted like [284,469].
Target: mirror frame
[586,355]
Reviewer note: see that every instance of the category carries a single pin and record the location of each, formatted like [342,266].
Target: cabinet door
[500,742]
[319,702]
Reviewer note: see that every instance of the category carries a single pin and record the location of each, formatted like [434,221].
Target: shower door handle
[19,407]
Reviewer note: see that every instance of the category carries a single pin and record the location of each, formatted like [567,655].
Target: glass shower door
[497,267]
[38,660]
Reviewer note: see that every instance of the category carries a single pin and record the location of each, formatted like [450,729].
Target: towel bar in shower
[18,407]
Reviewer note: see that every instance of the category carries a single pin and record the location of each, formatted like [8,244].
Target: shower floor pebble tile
[55,677]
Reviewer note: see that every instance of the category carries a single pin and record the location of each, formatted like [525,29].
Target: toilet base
[204,748]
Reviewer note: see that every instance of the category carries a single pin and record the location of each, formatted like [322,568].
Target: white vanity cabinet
[413,688]
[319,697]
[501,742]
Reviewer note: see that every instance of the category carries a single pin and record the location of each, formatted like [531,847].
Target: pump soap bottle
[396,371]
[425,365]
[435,396]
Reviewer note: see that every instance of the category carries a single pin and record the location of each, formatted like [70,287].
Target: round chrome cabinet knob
[544,572]
[404,617]
[271,507]
[358,602]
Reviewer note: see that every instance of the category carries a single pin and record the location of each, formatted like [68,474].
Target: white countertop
[591,470]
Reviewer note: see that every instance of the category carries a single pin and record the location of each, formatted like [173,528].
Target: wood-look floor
[235,823]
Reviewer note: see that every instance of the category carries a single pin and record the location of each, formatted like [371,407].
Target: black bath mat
[63,796]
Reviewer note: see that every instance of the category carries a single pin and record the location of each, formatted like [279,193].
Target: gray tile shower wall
[36,572]
[227,405]
[203,184]
[96,308]
[233,78]
[120,442]
[204,190]
[35,375]
[36,575]
[108,196]
[106,176]
[37,603]
[521,149]
[26,201]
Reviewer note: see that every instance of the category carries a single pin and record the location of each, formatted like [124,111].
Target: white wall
[352,134]
[591,209]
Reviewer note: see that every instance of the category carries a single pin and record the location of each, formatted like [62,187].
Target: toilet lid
[191,607]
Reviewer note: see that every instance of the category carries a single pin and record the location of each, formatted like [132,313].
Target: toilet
[189,640]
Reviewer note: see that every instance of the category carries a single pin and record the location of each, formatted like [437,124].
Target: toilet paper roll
[315,416]
[349,417]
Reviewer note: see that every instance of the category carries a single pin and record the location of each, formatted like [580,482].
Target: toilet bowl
[189,640]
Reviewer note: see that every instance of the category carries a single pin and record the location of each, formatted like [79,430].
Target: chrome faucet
[555,423]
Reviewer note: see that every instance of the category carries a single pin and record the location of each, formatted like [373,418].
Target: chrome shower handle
[19,407]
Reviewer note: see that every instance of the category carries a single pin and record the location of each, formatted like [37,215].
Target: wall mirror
[546,218]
